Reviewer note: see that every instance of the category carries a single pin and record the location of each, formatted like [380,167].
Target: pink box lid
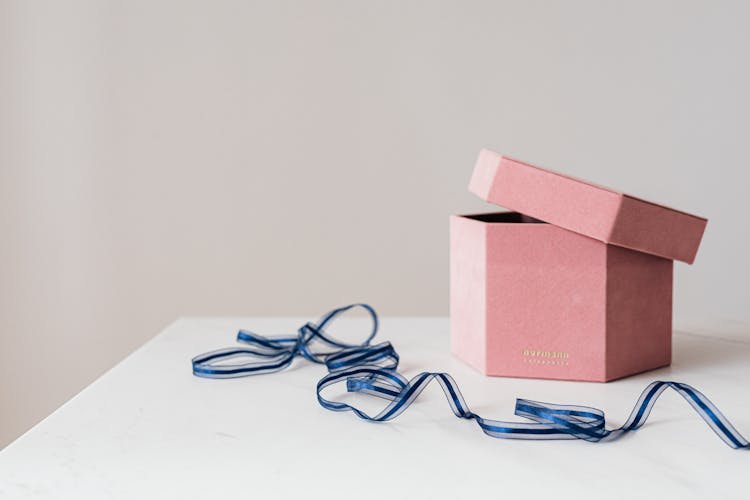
[595,211]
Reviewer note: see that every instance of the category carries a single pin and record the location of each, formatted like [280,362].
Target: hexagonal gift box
[574,284]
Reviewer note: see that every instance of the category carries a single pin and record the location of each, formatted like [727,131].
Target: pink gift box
[574,284]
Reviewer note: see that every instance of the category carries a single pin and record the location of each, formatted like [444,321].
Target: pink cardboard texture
[601,213]
[533,299]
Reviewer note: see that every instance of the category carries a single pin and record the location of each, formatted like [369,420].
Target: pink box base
[530,299]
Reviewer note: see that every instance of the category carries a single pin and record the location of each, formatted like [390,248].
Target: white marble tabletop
[149,429]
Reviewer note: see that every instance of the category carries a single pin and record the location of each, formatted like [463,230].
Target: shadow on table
[694,351]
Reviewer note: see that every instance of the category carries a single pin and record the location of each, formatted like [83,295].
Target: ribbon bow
[373,370]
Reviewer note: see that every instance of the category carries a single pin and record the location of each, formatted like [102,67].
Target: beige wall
[165,158]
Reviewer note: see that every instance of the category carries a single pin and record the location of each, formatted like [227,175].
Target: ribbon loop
[277,353]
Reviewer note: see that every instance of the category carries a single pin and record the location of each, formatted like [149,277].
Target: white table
[150,429]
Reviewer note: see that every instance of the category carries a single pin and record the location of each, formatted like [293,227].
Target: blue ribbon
[373,370]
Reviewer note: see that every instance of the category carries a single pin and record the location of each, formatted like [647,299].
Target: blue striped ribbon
[372,369]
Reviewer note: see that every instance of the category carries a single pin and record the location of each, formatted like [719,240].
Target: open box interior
[504,218]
